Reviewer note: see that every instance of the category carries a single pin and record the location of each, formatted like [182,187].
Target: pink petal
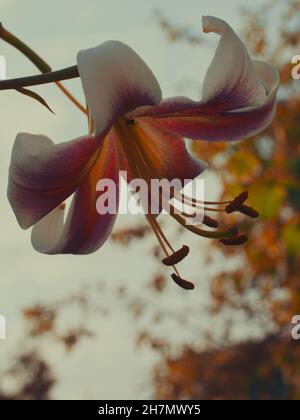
[115,81]
[85,230]
[42,175]
[122,160]
[239,95]
[168,152]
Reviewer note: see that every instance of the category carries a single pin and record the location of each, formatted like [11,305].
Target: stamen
[228,233]
[159,233]
[193,201]
[137,154]
[238,240]
[139,150]
[208,221]
[138,169]
[142,167]
[184,284]
[248,211]
[91,122]
[237,202]
[212,209]
[187,215]
[176,257]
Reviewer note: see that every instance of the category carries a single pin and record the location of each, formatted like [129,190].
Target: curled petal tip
[213,24]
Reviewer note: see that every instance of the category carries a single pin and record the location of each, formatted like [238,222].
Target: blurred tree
[256,371]
[33,376]
[267,165]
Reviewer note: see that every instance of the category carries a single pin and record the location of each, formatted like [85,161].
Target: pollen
[238,240]
[237,202]
[210,222]
[184,284]
[248,211]
[176,257]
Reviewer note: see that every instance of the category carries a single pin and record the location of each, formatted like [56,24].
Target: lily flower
[137,131]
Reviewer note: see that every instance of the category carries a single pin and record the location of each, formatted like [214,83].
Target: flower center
[142,167]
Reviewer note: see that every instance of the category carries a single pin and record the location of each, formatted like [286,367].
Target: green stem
[40,79]
[36,60]
[24,49]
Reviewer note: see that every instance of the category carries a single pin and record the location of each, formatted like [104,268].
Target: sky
[108,366]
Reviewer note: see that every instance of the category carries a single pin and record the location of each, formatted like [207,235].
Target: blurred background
[112,325]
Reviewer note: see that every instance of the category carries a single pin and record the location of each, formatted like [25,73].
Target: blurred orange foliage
[268,166]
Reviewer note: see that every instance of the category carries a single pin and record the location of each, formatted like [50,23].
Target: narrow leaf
[35,96]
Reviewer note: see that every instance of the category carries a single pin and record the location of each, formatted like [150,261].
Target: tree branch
[41,64]
[40,79]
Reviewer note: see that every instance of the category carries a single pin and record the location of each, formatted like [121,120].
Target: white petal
[47,232]
[115,81]
[268,75]
[43,174]
[84,230]
[232,72]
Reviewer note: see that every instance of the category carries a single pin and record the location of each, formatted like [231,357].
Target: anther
[208,221]
[176,257]
[237,202]
[184,284]
[248,211]
[233,231]
[238,240]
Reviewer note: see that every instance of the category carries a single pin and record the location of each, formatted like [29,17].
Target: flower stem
[40,79]
[41,65]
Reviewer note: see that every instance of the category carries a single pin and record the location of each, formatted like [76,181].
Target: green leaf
[244,164]
[267,199]
[35,96]
[291,236]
